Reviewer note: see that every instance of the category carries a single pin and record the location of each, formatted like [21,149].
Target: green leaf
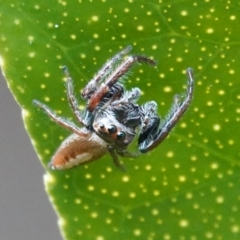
[188,188]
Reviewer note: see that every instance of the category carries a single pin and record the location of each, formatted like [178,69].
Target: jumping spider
[112,117]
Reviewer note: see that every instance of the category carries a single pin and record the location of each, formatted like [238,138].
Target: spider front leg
[92,86]
[120,70]
[152,137]
[59,120]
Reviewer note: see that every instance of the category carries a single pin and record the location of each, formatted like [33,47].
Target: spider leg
[59,120]
[113,78]
[72,98]
[127,154]
[116,161]
[93,83]
[154,138]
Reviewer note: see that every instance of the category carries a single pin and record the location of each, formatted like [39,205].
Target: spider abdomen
[77,150]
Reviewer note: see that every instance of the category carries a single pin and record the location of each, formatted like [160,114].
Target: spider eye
[121,135]
[101,125]
[112,129]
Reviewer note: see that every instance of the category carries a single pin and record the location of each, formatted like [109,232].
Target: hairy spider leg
[127,154]
[92,85]
[115,158]
[114,77]
[177,110]
[123,153]
[72,98]
[66,123]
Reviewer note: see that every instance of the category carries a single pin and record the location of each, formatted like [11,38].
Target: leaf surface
[188,188]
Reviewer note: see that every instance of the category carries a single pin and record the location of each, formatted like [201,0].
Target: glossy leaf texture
[189,187]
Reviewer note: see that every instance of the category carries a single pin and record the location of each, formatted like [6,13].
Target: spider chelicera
[112,118]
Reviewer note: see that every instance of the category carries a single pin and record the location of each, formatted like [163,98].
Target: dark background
[25,212]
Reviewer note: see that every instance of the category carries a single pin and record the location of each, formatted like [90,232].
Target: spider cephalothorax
[112,118]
